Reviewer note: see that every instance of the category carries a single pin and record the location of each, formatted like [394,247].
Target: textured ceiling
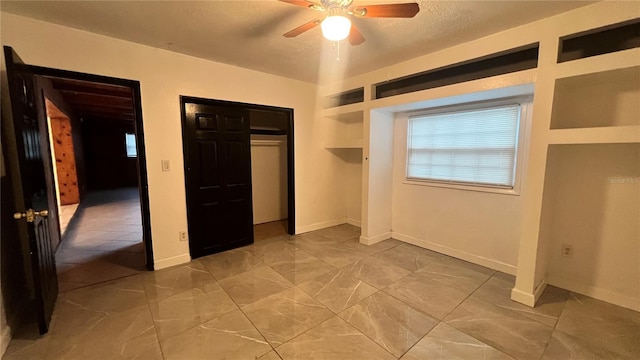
[249,33]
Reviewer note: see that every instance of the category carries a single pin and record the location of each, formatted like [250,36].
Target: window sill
[494,190]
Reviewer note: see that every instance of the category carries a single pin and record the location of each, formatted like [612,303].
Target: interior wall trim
[595,292]
[172,261]
[319,225]
[354,222]
[472,258]
[370,240]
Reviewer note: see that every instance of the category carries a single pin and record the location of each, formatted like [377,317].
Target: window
[130,141]
[476,146]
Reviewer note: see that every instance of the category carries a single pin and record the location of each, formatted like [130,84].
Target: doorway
[103,206]
[239,172]
[97,154]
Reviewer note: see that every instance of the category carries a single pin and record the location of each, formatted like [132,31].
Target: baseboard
[523,297]
[539,289]
[370,240]
[596,293]
[472,258]
[529,299]
[172,261]
[353,222]
[320,225]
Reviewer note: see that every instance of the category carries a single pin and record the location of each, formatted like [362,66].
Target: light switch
[166,165]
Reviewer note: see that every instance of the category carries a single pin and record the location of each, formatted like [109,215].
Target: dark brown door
[218,176]
[32,203]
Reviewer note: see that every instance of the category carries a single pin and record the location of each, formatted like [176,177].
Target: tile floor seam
[153,323]
[555,327]
[191,327]
[249,319]
[372,339]
[320,324]
[464,332]
[425,335]
[486,302]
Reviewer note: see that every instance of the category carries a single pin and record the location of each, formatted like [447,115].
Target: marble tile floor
[300,297]
[103,242]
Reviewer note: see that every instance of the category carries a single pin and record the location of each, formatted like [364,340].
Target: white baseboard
[526,298]
[540,289]
[354,222]
[472,258]
[523,297]
[370,240]
[320,225]
[172,261]
[596,293]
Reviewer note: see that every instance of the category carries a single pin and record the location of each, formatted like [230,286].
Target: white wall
[592,199]
[269,178]
[164,76]
[481,227]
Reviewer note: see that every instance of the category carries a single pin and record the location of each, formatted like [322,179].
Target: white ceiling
[249,33]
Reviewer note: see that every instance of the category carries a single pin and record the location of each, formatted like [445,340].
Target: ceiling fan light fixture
[335,27]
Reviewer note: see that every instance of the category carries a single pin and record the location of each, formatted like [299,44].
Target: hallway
[103,241]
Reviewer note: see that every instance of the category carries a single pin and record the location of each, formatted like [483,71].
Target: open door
[29,175]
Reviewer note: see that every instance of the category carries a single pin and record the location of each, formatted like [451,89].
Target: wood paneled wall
[63,147]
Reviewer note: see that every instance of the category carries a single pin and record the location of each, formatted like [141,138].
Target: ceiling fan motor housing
[329,4]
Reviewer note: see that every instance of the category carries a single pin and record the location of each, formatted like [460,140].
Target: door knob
[30,214]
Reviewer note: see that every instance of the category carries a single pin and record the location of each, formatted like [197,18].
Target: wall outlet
[567,250]
[166,166]
[182,235]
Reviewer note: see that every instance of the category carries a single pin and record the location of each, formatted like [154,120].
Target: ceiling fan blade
[300,29]
[355,37]
[304,3]
[407,10]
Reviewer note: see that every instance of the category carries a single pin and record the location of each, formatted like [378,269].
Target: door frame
[291,201]
[143,182]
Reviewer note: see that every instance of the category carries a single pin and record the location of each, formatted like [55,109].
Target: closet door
[217,152]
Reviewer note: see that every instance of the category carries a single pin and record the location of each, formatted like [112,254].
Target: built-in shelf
[601,99]
[599,135]
[600,63]
[352,116]
[508,61]
[603,40]
[507,85]
[345,113]
[345,144]
[345,98]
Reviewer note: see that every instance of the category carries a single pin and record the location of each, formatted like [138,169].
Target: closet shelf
[612,61]
[596,135]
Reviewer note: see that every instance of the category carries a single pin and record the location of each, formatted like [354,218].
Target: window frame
[525,103]
[126,145]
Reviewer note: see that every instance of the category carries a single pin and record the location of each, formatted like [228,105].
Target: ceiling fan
[336,25]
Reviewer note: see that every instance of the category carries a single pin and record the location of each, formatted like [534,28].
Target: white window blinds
[472,146]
